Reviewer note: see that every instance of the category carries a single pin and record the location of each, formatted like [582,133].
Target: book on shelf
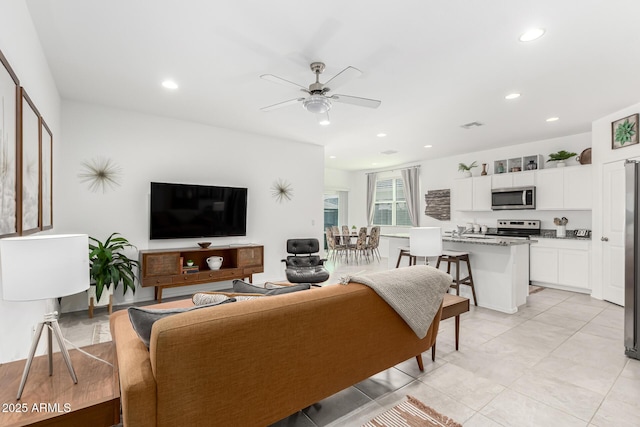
[190,269]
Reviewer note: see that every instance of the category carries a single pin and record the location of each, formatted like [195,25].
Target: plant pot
[560,164]
[105,298]
[466,174]
[561,231]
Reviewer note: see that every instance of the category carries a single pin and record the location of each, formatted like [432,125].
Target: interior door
[613,217]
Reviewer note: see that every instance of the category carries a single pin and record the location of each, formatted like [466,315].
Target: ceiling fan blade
[354,100]
[280,80]
[282,104]
[342,77]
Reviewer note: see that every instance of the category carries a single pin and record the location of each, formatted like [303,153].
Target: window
[390,206]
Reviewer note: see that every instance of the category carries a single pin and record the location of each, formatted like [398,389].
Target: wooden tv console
[164,268]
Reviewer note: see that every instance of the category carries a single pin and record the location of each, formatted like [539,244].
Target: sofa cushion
[203,298]
[142,319]
[244,287]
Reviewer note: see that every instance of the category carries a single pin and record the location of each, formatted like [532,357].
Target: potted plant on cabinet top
[108,266]
[560,157]
[466,170]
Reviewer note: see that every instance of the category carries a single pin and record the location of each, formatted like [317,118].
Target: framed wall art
[624,132]
[9,137]
[46,156]
[29,166]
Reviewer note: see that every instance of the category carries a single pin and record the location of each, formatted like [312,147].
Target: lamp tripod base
[53,328]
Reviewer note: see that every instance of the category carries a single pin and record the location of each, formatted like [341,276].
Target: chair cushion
[303,261]
[303,246]
[315,274]
[244,287]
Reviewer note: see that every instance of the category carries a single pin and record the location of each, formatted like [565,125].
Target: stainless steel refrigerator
[632,260]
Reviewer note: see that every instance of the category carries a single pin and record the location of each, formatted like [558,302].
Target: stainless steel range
[522,228]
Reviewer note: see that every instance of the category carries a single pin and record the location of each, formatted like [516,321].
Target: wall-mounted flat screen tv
[181,211]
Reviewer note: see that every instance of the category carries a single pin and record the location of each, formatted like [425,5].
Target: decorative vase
[466,174]
[561,231]
[560,164]
[214,262]
[484,169]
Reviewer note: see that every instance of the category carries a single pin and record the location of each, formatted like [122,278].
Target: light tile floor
[559,361]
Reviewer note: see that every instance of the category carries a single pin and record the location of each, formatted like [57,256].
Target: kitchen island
[500,267]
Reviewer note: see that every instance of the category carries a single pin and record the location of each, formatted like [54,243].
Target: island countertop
[477,239]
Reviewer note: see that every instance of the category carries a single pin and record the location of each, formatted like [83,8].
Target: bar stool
[405,251]
[455,257]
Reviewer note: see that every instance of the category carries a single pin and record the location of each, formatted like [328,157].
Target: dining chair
[374,242]
[361,247]
[346,240]
[340,249]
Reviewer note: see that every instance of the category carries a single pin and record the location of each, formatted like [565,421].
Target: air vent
[388,152]
[472,125]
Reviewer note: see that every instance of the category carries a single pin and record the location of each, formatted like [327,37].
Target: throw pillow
[244,287]
[142,319]
[202,298]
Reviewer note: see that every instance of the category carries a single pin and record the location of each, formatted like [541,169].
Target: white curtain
[411,180]
[371,195]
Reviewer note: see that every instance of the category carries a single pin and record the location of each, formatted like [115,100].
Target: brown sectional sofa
[252,363]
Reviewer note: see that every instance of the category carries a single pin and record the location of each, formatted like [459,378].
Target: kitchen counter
[500,267]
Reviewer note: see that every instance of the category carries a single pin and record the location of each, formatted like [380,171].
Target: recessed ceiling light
[532,34]
[373,164]
[553,119]
[381,135]
[332,157]
[428,146]
[512,96]
[324,122]
[170,84]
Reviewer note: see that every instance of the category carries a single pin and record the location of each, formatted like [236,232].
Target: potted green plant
[560,157]
[108,265]
[466,169]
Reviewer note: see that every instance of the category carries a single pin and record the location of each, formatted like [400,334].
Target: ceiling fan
[319,101]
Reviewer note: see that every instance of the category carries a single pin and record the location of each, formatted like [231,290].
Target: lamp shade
[42,267]
[425,241]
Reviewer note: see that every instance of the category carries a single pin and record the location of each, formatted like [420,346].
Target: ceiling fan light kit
[318,102]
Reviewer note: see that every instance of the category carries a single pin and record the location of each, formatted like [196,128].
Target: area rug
[412,413]
[101,333]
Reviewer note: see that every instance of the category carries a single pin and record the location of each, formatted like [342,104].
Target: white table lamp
[44,267]
[425,242]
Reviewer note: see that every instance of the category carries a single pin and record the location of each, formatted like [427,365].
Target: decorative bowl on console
[204,245]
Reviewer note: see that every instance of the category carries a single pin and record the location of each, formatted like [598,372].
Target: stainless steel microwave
[513,198]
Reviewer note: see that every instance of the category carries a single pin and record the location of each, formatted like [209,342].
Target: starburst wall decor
[282,190]
[100,173]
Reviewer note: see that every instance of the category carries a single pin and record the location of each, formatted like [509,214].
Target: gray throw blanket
[415,292]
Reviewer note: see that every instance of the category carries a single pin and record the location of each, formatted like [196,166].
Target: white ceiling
[434,64]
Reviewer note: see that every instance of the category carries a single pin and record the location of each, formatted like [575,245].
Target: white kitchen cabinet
[561,263]
[482,193]
[550,189]
[524,179]
[578,186]
[567,188]
[543,264]
[502,180]
[472,194]
[514,179]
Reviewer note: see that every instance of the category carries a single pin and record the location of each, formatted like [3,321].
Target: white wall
[150,148]
[603,154]
[20,45]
